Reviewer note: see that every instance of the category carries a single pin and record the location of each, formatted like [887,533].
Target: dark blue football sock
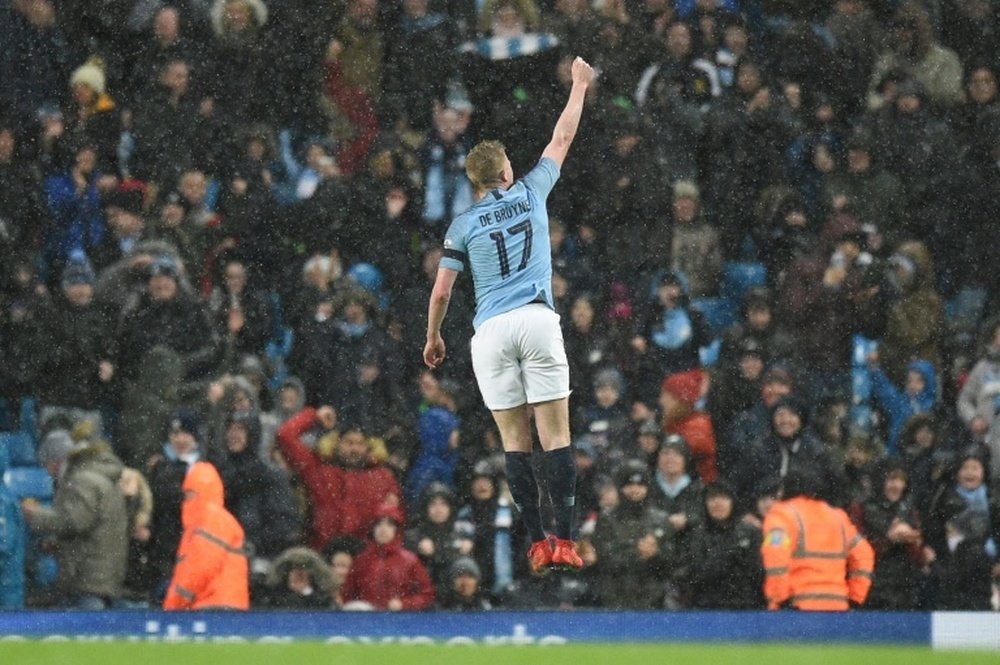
[560,474]
[524,491]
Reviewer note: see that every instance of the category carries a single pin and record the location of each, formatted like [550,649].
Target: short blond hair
[484,164]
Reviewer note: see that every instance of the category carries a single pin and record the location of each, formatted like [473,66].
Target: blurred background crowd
[774,248]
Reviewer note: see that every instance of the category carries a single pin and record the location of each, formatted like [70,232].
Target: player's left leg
[515,433]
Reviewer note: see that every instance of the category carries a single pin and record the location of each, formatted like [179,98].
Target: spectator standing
[433,536]
[723,555]
[239,82]
[491,518]
[259,496]
[980,394]
[914,51]
[668,338]
[890,522]
[824,302]
[166,479]
[814,558]
[346,492]
[88,520]
[241,313]
[678,398]
[789,445]
[211,570]
[418,64]
[695,250]
[674,491]
[73,370]
[751,424]
[74,207]
[168,326]
[633,543]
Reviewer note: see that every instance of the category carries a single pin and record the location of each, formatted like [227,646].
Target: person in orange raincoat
[814,557]
[211,570]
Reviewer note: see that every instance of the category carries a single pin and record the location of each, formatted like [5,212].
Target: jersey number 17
[498,237]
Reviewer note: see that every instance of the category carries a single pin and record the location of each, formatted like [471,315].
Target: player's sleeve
[542,178]
[454,254]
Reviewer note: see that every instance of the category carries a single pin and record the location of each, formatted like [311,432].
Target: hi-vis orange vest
[814,558]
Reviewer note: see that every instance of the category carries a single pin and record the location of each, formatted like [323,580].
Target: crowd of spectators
[220,221]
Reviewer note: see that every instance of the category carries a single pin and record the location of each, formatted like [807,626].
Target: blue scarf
[674,330]
[353,329]
[672,490]
[974,499]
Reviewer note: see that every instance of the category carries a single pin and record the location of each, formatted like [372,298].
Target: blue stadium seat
[719,312]
[20,448]
[738,278]
[25,482]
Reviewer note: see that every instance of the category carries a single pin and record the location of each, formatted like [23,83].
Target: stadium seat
[20,448]
[738,278]
[29,482]
[718,312]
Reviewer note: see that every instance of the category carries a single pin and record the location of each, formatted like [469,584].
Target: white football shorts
[519,358]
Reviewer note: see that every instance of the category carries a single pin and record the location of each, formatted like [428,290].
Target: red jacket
[344,501]
[383,572]
[697,430]
[211,570]
[357,109]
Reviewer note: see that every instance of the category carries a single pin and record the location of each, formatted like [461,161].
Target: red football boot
[540,556]
[564,556]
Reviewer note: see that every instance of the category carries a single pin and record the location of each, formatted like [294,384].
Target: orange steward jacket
[814,558]
[211,570]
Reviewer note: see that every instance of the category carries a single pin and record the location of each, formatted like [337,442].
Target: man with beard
[346,492]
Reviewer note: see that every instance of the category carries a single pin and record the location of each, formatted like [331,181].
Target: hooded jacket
[259,496]
[820,319]
[916,319]
[814,557]
[898,405]
[211,570]
[90,521]
[279,596]
[383,572]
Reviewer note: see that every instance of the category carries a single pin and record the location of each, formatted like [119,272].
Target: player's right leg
[545,373]
[515,432]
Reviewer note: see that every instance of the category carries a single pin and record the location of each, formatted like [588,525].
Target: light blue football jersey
[504,239]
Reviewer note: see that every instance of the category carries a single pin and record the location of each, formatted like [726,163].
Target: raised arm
[569,120]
